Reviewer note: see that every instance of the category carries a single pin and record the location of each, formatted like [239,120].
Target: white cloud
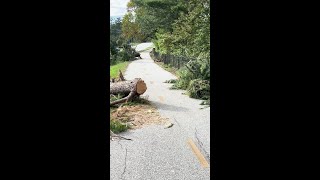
[118,7]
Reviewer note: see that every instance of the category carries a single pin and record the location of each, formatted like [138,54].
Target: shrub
[117,126]
[195,78]
[199,89]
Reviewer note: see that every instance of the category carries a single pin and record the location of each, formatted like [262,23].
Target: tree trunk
[130,89]
[125,87]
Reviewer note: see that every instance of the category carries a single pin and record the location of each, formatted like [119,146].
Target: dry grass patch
[138,115]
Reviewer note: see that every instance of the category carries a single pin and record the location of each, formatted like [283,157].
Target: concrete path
[176,153]
[143,46]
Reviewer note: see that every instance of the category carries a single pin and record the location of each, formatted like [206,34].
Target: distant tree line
[120,48]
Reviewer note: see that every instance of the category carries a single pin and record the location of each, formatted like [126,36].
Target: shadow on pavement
[161,106]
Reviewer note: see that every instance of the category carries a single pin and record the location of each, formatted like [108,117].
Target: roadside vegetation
[180,28]
[120,47]
[114,69]
[121,53]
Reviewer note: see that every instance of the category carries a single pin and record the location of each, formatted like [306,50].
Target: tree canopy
[180,27]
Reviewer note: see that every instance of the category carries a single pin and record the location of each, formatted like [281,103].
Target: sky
[118,7]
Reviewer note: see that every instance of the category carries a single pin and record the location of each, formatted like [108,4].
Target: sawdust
[138,116]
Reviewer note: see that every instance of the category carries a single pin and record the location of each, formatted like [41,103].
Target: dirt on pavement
[138,116]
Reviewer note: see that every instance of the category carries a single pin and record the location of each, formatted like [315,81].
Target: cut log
[125,87]
[130,89]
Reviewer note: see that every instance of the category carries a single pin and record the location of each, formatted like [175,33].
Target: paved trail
[158,153]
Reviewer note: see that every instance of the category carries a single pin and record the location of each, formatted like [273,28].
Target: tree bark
[125,87]
[130,89]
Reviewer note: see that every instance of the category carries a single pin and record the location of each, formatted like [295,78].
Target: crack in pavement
[120,144]
[176,121]
[125,158]
[125,165]
[201,145]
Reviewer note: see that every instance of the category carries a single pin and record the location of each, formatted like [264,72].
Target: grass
[117,126]
[114,70]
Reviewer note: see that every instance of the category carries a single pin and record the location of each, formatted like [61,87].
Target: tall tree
[156,15]
[131,30]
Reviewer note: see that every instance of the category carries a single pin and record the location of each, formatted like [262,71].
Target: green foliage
[171,81]
[136,101]
[115,35]
[184,79]
[126,53]
[190,35]
[114,70]
[155,15]
[199,89]
[181,28]
[163,43]
[195,78]
[192,30]
[121,33]
[117,126]
[131,30]
[123,56]
[115,40]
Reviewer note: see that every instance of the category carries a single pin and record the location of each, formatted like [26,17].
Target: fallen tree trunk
[125,87]
[130,89]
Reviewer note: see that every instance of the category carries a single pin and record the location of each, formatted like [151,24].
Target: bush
[126,54]
[184,79]
[123,56]
[117,126]
[195,78]
[199,89]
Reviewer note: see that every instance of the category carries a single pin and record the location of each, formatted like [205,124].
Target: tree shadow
[167,107]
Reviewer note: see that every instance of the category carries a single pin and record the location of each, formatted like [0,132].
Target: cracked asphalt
[159,153]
